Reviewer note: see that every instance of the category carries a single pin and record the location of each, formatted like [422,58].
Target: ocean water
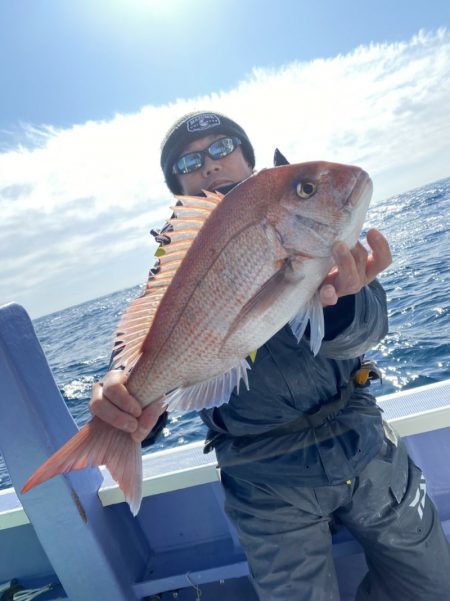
[416,351]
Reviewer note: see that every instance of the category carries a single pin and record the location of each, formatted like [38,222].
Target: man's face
[231,169]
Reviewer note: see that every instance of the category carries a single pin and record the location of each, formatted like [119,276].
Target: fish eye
[305,190]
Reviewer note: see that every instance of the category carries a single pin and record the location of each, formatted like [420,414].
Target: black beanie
[193,126]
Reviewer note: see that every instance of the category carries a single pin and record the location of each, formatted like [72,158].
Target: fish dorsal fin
[189,216]
[211,393]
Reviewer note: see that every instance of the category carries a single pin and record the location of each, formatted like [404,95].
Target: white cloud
[80,201]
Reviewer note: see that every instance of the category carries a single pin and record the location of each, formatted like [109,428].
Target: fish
[237,269]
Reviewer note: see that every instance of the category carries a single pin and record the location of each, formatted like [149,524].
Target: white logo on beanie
[201,122]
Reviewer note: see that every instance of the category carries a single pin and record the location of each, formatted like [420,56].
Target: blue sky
[70,61]
[88,89]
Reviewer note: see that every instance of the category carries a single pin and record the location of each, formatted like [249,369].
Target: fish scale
[226,284]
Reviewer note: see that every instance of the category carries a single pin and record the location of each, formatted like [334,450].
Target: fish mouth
[356,207]
[361,191]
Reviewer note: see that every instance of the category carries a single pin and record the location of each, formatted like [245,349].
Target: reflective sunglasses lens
[221,148]
[188,163]
[194,160]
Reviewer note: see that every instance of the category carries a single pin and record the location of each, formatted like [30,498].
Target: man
[329,457]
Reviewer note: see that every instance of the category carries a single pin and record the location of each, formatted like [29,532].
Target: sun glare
[156,6]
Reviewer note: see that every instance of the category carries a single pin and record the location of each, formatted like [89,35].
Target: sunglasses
[195,160]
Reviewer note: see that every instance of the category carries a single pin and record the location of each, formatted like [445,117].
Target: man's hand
[355,268]
[112,403]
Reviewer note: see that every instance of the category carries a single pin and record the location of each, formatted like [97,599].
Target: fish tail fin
[97,443]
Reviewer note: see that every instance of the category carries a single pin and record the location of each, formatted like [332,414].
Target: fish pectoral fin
[264,298]
[312,312]
[210,393]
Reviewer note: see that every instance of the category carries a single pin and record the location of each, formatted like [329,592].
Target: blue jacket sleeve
[356,324]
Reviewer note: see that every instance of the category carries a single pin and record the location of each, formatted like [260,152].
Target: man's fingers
[381,256]
[112,403]
[148,419]
[360,255]
[113,416]
[328,296]
[122,399]
[114,389]
[355,268]
[348,280]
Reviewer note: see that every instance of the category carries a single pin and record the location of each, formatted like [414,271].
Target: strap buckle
[368,372]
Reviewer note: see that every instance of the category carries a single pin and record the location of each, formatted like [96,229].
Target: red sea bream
[237,269]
